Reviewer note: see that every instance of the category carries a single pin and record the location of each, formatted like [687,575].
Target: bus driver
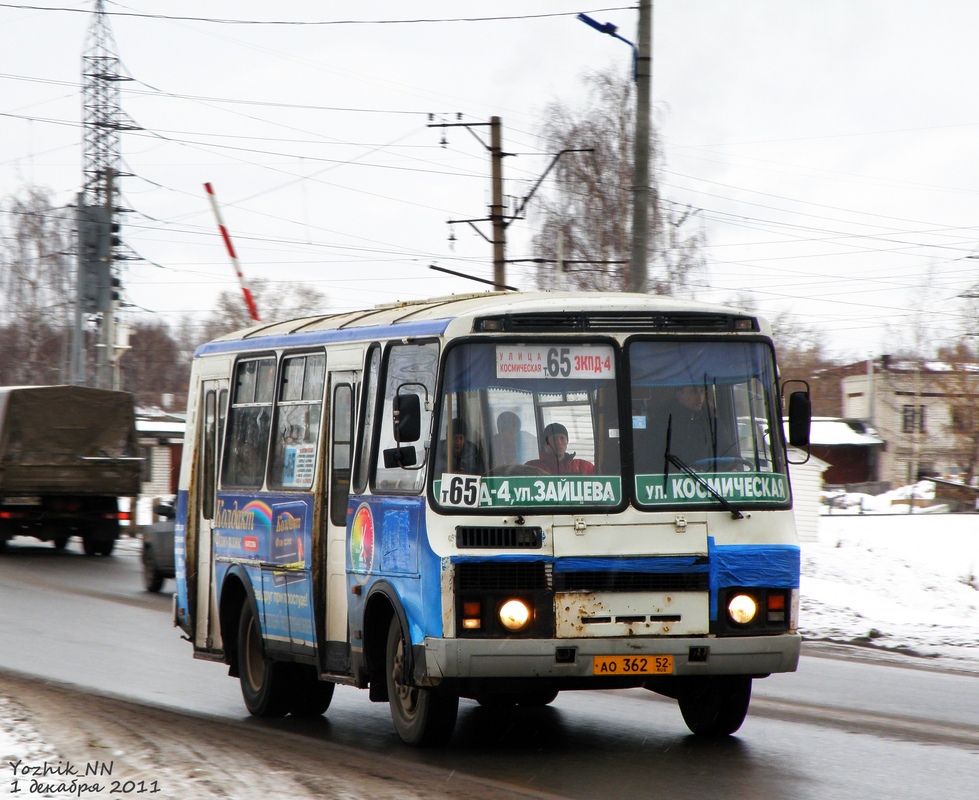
[555,458]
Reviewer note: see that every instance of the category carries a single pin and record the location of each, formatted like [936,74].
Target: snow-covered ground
[896,581]
[899,581]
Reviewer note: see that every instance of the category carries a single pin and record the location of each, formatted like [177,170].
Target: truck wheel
[714,707]
[105,547]
[152,579]
[422,717]
[264,682]
[60,542]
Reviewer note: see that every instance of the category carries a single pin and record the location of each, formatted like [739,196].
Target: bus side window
[297,421]
[367,416]
[342,452]
[249,422]
[411,368]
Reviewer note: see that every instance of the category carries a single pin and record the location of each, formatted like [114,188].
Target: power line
[303,23]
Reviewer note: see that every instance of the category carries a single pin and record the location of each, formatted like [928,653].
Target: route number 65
[459,490]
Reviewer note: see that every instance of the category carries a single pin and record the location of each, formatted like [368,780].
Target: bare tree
[589,215]
[154,365]
[962,394]
[37,283]
[278,301]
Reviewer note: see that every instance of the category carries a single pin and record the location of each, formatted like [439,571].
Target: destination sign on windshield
[555,361]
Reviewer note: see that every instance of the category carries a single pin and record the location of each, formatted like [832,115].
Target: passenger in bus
[511,445]
[555,458]
[466,457]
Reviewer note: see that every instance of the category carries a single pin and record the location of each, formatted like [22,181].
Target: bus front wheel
[715,707]
[422,717]
[264,686]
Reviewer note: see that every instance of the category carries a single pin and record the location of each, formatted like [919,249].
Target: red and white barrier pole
[249,300]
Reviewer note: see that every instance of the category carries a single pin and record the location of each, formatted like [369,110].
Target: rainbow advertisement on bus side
[271,535]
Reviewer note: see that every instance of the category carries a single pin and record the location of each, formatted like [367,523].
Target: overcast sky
[828,145]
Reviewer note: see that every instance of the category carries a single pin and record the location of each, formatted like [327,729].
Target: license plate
[632,665]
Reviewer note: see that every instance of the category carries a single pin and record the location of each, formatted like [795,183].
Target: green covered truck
[67,454]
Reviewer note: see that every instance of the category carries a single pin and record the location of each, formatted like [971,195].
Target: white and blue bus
[496,497]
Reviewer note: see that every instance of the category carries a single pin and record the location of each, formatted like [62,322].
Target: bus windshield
[536,425]
[704,417]
[529,425]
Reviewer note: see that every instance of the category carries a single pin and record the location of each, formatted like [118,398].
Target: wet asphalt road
[838,728]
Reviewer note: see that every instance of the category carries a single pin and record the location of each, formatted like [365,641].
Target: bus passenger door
[343,388]
[214,404]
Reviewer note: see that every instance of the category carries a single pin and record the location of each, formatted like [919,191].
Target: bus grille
[603,581]
[511,576]
[506,576]
[499,538]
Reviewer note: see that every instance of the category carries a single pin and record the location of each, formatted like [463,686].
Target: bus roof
[551,311]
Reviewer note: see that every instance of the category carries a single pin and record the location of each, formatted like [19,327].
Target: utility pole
[640,180]
[107,297]
[496,209]
[642,73]
[495,219]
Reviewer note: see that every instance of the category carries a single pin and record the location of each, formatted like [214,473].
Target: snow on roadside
[902,582]
[22,746]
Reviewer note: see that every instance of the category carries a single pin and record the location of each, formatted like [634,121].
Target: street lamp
[642,68]
[612,30]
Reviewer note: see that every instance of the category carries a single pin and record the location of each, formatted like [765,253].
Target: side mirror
[403,457]
[800,418]
[407,418]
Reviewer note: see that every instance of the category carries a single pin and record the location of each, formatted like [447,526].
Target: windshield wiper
[725,503]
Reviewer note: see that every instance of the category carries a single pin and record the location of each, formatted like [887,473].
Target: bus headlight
[742,609]
[514,615]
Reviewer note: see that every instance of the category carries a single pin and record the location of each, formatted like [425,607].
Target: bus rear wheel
[264,682]
[714,707]
[308,696]
[422,717]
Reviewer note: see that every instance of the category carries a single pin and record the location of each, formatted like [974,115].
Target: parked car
[158,562]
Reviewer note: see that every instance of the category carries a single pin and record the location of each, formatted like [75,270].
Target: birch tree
[587,206]
[37,283]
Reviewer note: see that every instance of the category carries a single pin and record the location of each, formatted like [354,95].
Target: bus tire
[308,696]
[422,717]
[264,682]
[714,707]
